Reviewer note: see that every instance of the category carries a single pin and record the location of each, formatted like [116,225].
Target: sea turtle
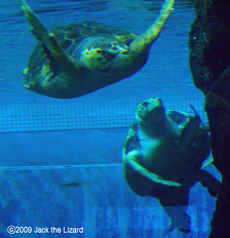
[73,60]
[163,156]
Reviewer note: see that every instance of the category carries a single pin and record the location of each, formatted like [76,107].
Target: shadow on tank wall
[210,66]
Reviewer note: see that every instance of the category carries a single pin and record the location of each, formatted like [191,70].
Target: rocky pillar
[209,43]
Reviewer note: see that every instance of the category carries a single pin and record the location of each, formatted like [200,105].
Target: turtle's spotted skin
[162,158]
[79,58]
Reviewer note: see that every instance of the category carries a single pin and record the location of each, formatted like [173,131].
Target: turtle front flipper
[130,160]
[144,41]
[189,131]
[49,43]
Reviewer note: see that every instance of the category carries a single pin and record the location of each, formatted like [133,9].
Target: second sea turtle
[163,156]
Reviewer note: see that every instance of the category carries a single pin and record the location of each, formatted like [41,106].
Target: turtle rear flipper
[50,45]
[175,205]
[209,181]
[183,226]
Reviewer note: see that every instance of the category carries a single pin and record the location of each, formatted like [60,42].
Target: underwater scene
[103,132]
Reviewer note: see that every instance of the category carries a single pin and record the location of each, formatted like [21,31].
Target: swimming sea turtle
[79,58]
[162,158]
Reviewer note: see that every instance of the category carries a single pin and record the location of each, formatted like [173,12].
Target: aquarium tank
[65,144]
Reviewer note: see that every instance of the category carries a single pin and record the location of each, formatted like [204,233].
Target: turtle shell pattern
[69,36]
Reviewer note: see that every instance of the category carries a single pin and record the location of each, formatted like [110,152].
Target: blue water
[48,144]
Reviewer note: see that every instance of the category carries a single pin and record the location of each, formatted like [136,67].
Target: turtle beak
[155,102]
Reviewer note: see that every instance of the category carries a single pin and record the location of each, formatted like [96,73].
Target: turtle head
[151,112]
[96,59]
[95,53]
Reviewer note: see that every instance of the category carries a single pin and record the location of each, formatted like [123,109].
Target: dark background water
[48,143]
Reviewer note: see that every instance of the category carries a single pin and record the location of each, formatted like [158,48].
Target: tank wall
[47,181]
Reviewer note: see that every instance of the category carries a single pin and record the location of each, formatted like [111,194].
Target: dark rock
[209,43]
